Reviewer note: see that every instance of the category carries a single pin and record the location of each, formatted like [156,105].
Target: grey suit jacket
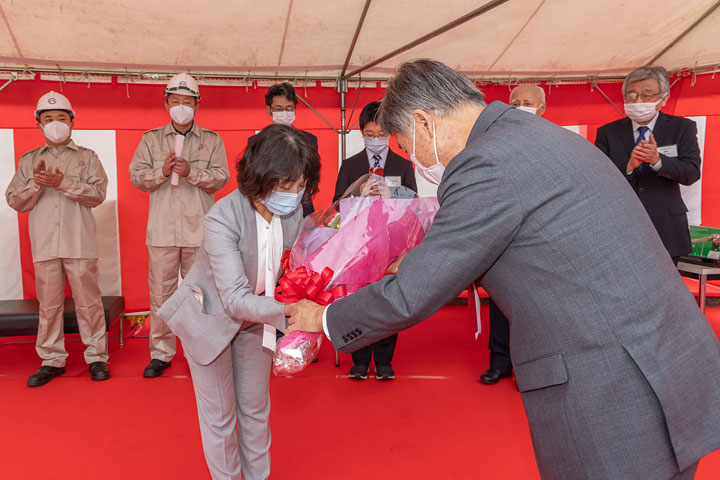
[618,369]
[225,271]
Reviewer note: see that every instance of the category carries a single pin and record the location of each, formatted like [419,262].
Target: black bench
[20,317]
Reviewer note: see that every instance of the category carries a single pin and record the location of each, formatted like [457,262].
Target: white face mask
[531,110]
[283,118]
[432,174]
[182,114]
[641,112]
[56,131]
[376,146]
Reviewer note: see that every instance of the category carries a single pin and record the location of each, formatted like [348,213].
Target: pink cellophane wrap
[373,233]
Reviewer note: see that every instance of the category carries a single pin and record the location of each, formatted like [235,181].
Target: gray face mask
[283,203]
[376,146]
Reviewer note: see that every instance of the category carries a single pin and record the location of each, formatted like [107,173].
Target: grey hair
[644,73]
[426,85]
[540,92]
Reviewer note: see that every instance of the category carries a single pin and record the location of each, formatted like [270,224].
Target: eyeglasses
[645,97]
[376,135]
[277,108]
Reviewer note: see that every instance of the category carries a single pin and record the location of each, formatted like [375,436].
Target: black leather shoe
[44,375]
[155,368]
[358,372]
[492,376]
[99,371]
[384,372]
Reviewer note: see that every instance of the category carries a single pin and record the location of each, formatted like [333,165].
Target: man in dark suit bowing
[656,152]
[376,157]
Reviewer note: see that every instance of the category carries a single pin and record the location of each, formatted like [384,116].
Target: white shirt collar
[651,125]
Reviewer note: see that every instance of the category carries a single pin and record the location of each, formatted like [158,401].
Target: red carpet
[434,421]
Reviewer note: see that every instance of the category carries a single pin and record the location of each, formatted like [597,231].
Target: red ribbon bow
[303,283]
[377,171]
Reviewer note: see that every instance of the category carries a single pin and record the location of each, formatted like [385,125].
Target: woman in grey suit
[225,313]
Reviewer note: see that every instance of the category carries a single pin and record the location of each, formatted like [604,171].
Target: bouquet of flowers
[344,247]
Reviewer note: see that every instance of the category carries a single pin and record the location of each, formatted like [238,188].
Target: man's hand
[49,179]
[181,167]
[168,164]
[393,268]
[644,152]
[305,316]
[648,149]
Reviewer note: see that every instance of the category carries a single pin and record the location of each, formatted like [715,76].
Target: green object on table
[704,241]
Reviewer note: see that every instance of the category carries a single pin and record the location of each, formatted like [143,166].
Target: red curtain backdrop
[236,112]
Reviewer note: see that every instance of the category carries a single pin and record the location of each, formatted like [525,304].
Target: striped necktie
[641,136]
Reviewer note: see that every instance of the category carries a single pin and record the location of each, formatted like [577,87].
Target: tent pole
[355,37]
[317,113]
[595,85]
[682,35]
[13,77]
[342,88]
[458,21]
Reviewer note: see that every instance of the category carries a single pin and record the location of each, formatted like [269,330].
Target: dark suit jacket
[358,165]
[307,203]
[659,191]
[611,352]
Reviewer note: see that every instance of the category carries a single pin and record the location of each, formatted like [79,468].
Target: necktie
[376,160]
[641,136]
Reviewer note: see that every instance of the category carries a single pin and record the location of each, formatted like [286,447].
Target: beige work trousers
[165,263]
[82,273]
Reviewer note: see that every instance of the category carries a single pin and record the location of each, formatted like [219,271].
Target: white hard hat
[54,101]
[183,84]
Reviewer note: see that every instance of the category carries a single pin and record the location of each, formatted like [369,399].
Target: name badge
[668,150]
[393,181]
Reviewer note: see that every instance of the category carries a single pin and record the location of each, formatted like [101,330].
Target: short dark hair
[167,97]
[37,115]
[281,89]
[278,154]
[369,114]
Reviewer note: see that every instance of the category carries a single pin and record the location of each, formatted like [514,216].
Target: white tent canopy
[314,39]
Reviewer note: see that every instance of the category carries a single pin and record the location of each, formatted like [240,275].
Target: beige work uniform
[177,213]
[62,237]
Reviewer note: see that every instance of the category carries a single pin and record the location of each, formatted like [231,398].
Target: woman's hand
[304,316]
[393,268]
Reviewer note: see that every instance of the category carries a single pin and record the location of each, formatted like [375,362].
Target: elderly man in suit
[618,369]
[378,158]
[656,152]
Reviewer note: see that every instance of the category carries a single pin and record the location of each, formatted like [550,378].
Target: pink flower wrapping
[373,232]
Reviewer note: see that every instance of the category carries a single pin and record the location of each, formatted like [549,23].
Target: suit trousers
[382,350]
[234,389]
[499,340]
[165,264]
[82,273]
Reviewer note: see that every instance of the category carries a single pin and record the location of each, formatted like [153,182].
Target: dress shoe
[155,368]
[44,375]
[359,372]
[99,371]
[492,376]
[384,372]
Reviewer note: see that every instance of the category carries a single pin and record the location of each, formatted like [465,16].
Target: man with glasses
[376,157]
[656,152]
[281,103]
